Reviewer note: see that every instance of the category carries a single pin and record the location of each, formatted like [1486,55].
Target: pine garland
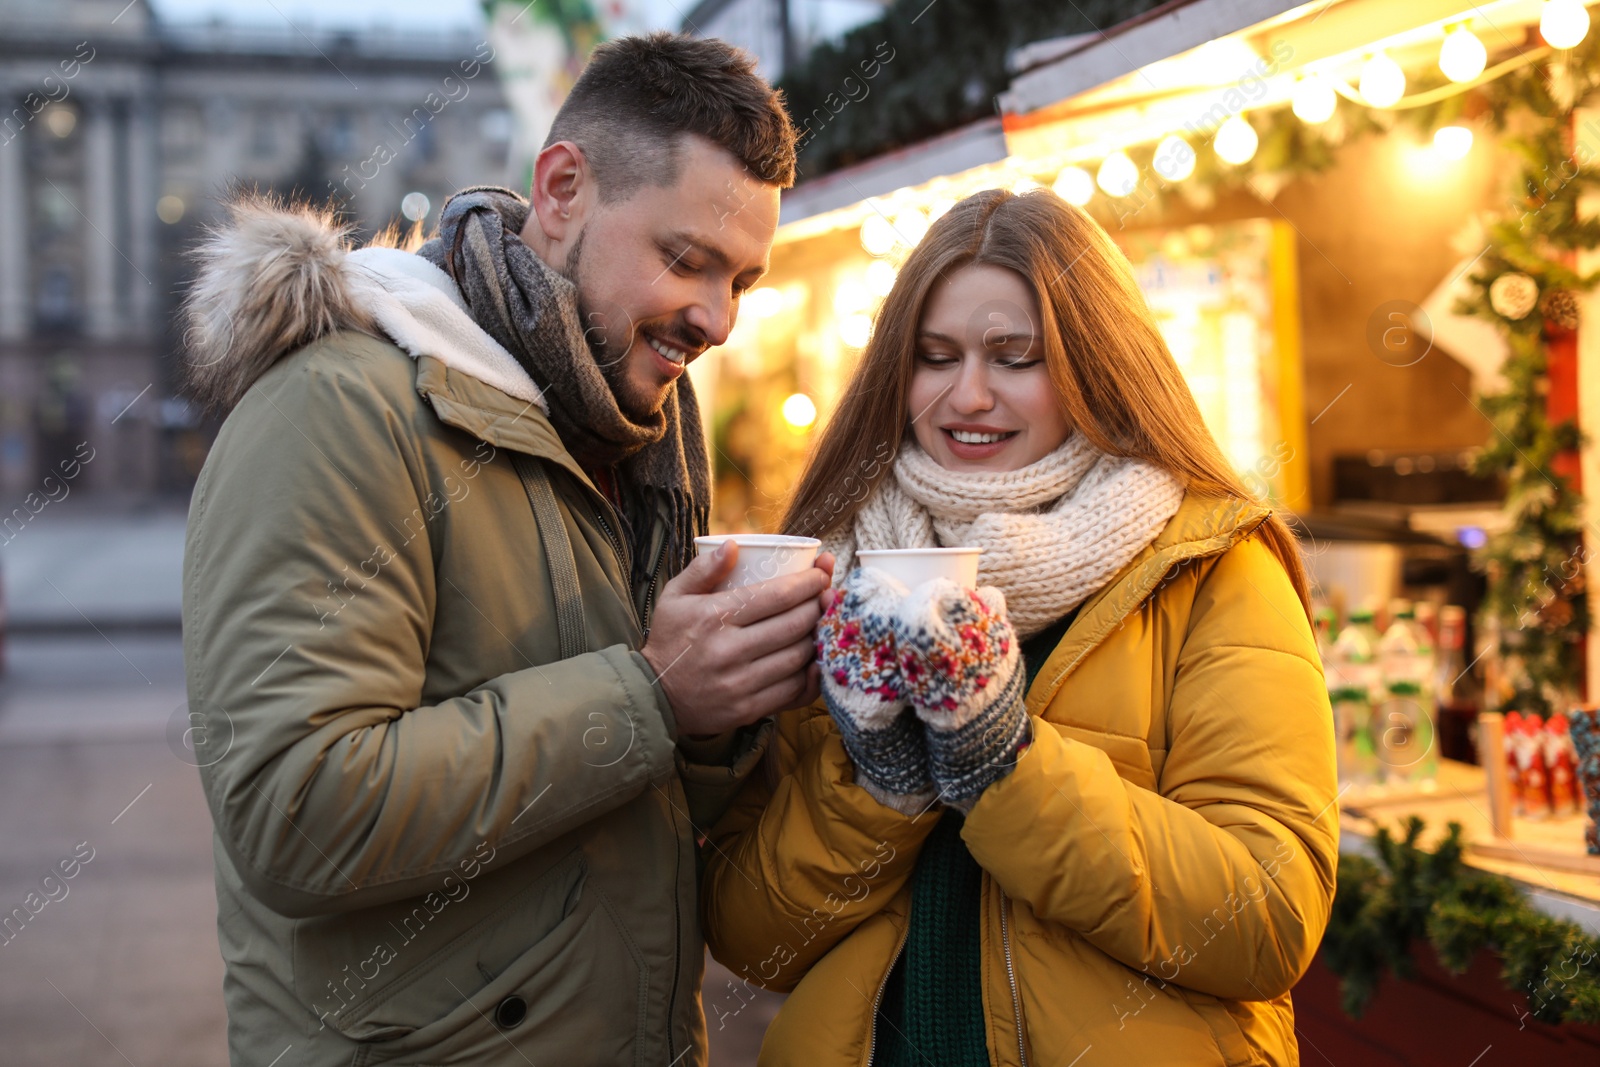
[1411,894]
[1535,590]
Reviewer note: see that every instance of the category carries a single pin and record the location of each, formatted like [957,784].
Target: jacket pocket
[570,999]
[385,972]
[1235,1047]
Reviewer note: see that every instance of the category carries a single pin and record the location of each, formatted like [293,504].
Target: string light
[1236,141]
[1383,83]
[1462,57]
[877,236]
[767,301]
[1174,159]
[1314,100]
[1117,175]
[880,277]
[1075,186]
[1452,142]
[1564,23]
[799,411]
[855,330]
[910,225]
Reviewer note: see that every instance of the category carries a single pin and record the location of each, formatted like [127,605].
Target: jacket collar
[475,407]
[1203,526]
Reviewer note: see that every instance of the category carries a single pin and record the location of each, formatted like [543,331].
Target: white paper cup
[913,566]
[762,556]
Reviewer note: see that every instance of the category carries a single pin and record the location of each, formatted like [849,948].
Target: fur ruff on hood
[275,278]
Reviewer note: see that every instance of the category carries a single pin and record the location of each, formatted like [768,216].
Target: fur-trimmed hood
[275,278]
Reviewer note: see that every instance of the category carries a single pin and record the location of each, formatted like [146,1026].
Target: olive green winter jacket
[452,820]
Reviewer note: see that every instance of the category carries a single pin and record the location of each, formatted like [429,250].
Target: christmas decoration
[1412,894]
[1560,306]
[1513,295]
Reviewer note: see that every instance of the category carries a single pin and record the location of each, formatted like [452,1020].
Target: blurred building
[779,33]
[120,135]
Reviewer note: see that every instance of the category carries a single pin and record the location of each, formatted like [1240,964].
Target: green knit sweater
[932,1006]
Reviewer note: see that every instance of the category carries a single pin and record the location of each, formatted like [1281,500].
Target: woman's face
[981,399]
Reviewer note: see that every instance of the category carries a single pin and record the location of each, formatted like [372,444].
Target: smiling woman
[1122,726]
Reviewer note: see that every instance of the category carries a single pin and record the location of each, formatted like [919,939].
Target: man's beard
[611,352]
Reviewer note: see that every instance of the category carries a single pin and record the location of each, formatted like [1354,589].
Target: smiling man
[474,697]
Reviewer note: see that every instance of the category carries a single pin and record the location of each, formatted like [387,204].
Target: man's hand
[726,659]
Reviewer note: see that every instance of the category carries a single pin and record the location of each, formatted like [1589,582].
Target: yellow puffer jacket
[1158,867]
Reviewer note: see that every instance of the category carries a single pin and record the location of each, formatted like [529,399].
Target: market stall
[1363,229]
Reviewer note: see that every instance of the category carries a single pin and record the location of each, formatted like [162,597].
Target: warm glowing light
[1024,185]
[1117,175]
[1452,142]
[1236,141]
[60,120]
[170,209]
[877,236]
[850,297]
[1314,100]
[1462,57]
[1564,23]
[1075,186]
[939,207]
[1174,159]
[855,330]
[1383,83]
[910,225]
[880,277]
[799,411]
[766,301]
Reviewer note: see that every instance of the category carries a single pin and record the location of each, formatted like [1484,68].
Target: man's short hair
[638,95]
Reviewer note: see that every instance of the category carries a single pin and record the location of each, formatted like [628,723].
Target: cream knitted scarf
[1052,533]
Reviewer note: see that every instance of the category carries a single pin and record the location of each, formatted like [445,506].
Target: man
[461,723]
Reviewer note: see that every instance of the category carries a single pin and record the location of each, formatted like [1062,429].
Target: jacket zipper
[877,1000]
[1011,976]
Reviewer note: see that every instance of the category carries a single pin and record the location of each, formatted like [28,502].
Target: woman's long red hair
[1115,378]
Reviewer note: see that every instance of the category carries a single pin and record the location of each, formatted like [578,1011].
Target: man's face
[659,275]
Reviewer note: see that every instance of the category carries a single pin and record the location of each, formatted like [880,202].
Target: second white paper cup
[913,566]
[762,556]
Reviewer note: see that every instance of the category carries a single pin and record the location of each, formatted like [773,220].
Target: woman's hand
[862,686]
[960,667]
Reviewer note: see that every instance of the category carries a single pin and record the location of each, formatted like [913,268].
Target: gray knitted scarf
[532,311]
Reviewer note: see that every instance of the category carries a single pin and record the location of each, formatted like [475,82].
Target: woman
[1086,813]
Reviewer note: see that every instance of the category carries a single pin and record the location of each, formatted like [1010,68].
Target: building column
[142,193]
[14,238]
[99,233]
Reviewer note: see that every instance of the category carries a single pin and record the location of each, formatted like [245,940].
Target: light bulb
[850,297]
[1117,175]
[1024,184]
[1382,81]
[1236,141]
[910,225]
[1314,100]
[1174,159]
[1564,23]
[1452,142]
[766,301]
[880,277]
[877,236]
[1075,186]
[1462,56]
[939,207]
[855,330]
[799,411]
